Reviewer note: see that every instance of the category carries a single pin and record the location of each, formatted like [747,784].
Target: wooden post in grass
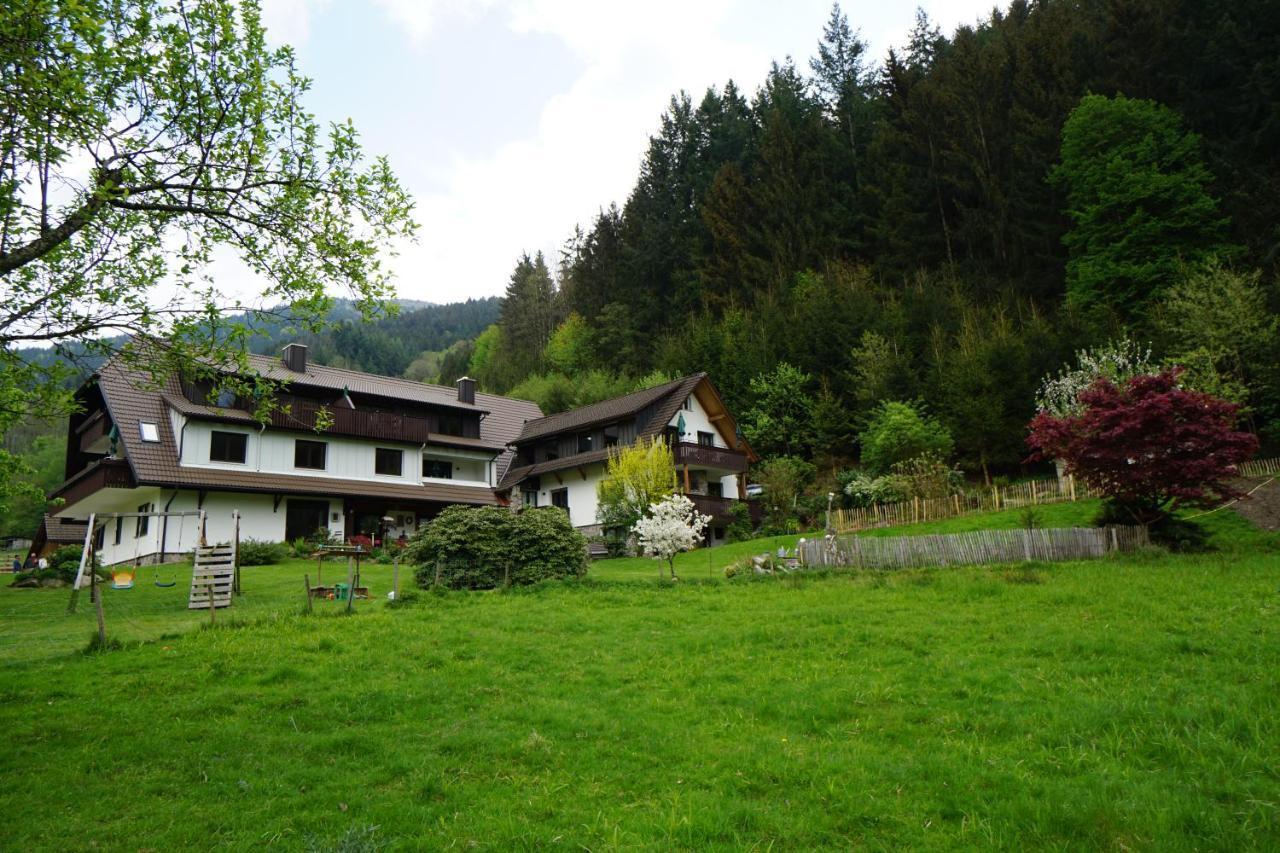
[213,610]
[1071,483]
[307,580]
[235,551]
[351,579]
[395,578]
[96,595]
[437,580]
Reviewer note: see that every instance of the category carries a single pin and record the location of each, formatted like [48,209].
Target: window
[610,436]
[715,489]
[706,439]
[309,454]
[586,442]
[388,462]
[451,425]
[99,537]
[143,522]
[688,404]
[119,528]
[529,498]
[227,446]
[149,431]
[438,468]
[560,498]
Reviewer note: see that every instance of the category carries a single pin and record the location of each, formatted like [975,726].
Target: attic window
[149,431]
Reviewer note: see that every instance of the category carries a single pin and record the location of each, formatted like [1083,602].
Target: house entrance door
[304,518]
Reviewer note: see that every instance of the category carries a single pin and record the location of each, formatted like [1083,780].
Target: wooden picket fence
[1260,468]
[1029,493]
[917,510]
[972,548]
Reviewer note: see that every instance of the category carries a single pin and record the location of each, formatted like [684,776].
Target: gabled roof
[357,382]
[131,397]
[665,400]
[616,408]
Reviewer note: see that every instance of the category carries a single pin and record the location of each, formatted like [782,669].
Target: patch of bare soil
[1263,506]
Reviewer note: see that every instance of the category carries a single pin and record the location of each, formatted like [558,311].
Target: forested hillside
[946,223]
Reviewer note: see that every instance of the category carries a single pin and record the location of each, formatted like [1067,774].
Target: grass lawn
[1121,703]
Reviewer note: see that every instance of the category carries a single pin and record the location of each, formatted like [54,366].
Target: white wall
[696,421]
[260,518]
[272,451]
[582,493]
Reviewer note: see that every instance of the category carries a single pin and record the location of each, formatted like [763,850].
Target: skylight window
[149,431]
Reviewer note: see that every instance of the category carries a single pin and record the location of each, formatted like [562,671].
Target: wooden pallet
[214,574]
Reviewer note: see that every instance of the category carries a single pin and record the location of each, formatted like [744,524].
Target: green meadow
[1125,703]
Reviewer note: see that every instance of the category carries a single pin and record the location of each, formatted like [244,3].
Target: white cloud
[289,21]
[420,16]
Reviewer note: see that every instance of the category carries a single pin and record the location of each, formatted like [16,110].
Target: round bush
[479,548]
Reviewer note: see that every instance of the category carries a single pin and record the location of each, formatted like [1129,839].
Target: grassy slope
[1117,703]
[711,562]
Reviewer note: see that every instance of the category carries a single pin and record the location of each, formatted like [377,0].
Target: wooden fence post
[351,583]
[96,595]
[307,580]
[395,578]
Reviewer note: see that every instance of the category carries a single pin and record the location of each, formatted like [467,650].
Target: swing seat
[161,583]
[123,579]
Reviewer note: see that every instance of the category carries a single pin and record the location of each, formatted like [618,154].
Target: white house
[396,449]
[561,459]
[359,456]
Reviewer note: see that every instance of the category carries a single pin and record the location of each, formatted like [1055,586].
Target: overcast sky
[510,122]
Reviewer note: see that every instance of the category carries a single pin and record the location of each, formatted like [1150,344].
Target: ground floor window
[529,499]
[560,498]
[143,523]
[302,518]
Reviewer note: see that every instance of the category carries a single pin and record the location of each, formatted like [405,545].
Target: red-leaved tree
[1148,445]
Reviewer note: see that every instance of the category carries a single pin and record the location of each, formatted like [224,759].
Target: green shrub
[740,528]
[546,547]
[65,562]
[479,548]
[257,552]
[898,431]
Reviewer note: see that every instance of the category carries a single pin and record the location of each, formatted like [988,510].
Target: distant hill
[386,346]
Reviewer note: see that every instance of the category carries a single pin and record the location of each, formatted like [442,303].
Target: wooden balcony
[721,509]
[718,458]
[104,474]
[301,415]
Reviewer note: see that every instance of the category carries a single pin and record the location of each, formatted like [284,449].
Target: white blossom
[672,526]
[1119,362]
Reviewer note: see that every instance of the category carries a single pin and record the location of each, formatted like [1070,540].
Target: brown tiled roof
[515,475]
[194,410]
[668,398]
[616,408]
[337,378]
[130,398]
[63,530]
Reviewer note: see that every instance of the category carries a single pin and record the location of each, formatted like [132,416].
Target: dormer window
[688,403]
[148,431]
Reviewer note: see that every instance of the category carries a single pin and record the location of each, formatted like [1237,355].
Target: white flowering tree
[1118,361]
[671,526]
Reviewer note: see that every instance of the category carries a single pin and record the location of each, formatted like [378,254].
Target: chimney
[466,390]
[295,357]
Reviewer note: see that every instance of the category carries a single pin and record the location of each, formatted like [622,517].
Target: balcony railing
[104,474]
[384,425]
[721,509]
[702,456]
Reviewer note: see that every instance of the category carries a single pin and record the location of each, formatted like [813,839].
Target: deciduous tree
[1147,444]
